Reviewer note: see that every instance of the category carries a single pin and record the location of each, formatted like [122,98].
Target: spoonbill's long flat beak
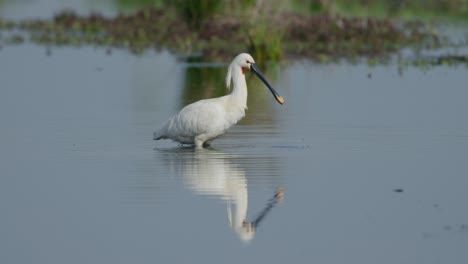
[259,74]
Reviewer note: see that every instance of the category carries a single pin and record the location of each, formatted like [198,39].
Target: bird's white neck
[239,89]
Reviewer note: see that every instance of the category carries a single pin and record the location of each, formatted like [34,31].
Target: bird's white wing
[200,117]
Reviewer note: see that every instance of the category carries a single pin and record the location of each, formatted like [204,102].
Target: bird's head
[246,61]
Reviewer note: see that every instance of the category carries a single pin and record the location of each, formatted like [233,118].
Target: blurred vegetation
[455,9]
[265,44]
[197,12]
[270,30]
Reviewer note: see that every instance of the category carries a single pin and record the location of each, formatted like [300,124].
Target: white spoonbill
[201,122]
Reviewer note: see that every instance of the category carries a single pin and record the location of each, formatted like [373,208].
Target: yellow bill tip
[280,99]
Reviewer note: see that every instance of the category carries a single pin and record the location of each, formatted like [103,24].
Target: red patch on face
[243,70]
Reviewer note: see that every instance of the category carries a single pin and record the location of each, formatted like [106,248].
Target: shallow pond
[361,165]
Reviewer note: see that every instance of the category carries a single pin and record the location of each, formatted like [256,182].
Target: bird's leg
[198,142]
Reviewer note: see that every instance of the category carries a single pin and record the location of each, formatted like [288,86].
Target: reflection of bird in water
[211,172]
[247,230]
[201,122]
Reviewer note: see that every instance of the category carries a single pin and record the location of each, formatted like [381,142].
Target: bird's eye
[248,62]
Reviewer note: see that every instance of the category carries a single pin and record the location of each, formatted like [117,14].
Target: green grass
[407,9]
[264,44]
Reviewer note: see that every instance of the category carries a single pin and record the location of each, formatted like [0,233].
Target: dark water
[361,165]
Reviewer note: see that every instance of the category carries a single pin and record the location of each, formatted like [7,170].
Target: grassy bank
[317,29]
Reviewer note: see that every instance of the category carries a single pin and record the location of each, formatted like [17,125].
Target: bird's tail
[156,136]
[159,133]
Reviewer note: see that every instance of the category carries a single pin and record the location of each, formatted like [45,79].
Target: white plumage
[201,122]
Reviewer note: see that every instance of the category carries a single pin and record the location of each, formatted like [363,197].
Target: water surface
[372,163]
